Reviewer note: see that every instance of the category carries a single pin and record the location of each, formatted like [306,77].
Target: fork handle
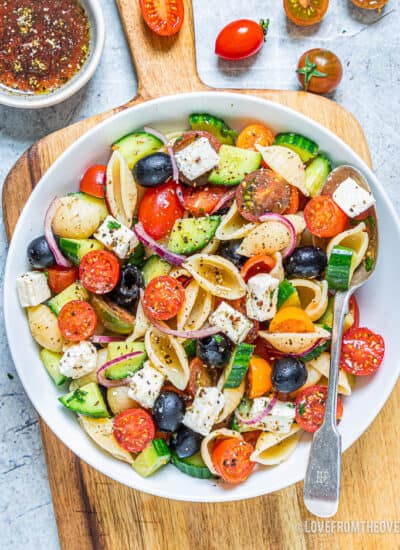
[322,481]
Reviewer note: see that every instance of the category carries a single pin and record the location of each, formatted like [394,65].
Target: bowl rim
[79,80]
[9,301]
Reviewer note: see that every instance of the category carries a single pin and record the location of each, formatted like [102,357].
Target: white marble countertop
[367,43]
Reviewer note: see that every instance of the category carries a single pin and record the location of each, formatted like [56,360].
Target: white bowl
[38,101]
[379,302]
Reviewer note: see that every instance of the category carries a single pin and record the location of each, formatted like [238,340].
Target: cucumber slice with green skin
[316,352]
[193,466]
[114,318]
[234,164]
[86,400]
[152,458]
[51,362]
[287,294]
[137,258]
[238,365]
[128,366]
[155,267]
[216,126]
[191,234]
[316,173]
[76,291]
[96,201]
[244,410]
[304,147]
[136,145]
[75,249]
[190,348]
[339,270]
[327,319]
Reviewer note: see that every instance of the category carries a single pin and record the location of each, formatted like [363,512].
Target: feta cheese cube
[204,411]
[280,419]
[145,385]
[116,237]
[32,288]
[78,360]
[262,297]
[196,159]
[233,323]
[352,198]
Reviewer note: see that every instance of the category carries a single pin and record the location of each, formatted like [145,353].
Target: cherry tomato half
[60,277]
[231,459]
[255,134]
[310,408]
[159,209]
[319,71]
[99,271]
[199,376]
[305,12]
[164,17]
[163,298]
[134,429]
[241,39]
[201,202]
[324,218]
[362,351]
[261,192]
[294,201]
[370,4]
[93,180]
[261,263]
[77,320]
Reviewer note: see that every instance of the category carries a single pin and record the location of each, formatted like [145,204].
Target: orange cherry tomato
[99,271]
[294,201]
[93,181]
[77,320]
[60,277]
[231,459]
[163,298]
[259,377]
[164,17]
[201,202]
[370,4]
[134,429]
[305,12]
[199,376]
[261,263]
[310,408]
[240,39]
[362,351]
[291,319]
[159,209]
[319,71]
[324,218]
[255,134]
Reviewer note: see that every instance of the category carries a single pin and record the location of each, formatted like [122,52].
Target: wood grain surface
[94,512]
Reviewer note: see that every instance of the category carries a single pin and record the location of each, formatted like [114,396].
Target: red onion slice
[260,416]
[191,334]
[114,383]
[48,233]
[224,200]
[271,216]
[156,133]
[100,339]
[175,170]
[164,253]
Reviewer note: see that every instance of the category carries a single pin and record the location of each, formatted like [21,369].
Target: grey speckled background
[367,43]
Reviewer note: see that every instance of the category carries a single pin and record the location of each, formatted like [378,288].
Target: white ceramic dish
[38,101]
[171,113]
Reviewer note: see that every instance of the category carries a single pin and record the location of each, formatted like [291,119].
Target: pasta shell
[292,342]
[233,225]
[266,238]
[287,164]
[313,377]
[211,247]
[118,399]
[233,396]
[322,364]
[44,328]
[356,239]
[177,272]
[210,440]
[168,356]
[121,189]
[141,324]
[277,272]
[273,448]
[196,309]
[216,275]
[313,296]
[101,431]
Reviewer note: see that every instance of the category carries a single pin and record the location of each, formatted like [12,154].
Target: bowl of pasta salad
[172,279]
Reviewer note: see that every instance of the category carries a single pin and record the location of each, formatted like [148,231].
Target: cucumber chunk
[234,164]
[316,173]
[137,258]
[152,458]
[304,147]
[238,365]
[327,319]
[316,352]
[114,318]
[287,295]
[339,270]
[86,400]
[190,348]
[214,125]
[128,366]
[137,145]
[76,291]
[51,362]
[75,249]
[191,234]
[155,267]
[193,466]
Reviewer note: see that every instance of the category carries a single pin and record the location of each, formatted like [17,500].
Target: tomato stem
[264,24]
[309,70]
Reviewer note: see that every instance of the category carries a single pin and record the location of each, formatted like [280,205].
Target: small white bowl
[38,101]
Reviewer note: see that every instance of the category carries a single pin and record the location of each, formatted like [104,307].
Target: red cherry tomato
[324,218]
[241,39]
[163,298]
[77,320]
[134,429]
[199,376]
[310,408]
[164,17]
[362,351]
[99,271]
[60,277]
[261,263]
[93,180]
[201,202]
[159,209]
[231,459]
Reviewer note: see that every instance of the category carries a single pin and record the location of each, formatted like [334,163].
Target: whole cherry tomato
[240,39]
[319,71]
[93,180]
[159,209]
[305,12]
[164,17]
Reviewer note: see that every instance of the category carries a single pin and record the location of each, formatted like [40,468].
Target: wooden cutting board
[94,512]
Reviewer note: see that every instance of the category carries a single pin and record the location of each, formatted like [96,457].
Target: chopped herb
[302,408]
[369,263]
[10,376]
[370,220]
[78,395]
[113,224]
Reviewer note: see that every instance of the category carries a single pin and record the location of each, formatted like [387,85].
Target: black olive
[39,253]
[227,249]
[307,262]
[289,374]
[214,351]
[153,170]
[185,442]
[168,411]
[128,287]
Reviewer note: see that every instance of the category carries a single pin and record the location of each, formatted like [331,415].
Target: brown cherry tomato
[319,71]
[370,4]
[199,377]
[305,12]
